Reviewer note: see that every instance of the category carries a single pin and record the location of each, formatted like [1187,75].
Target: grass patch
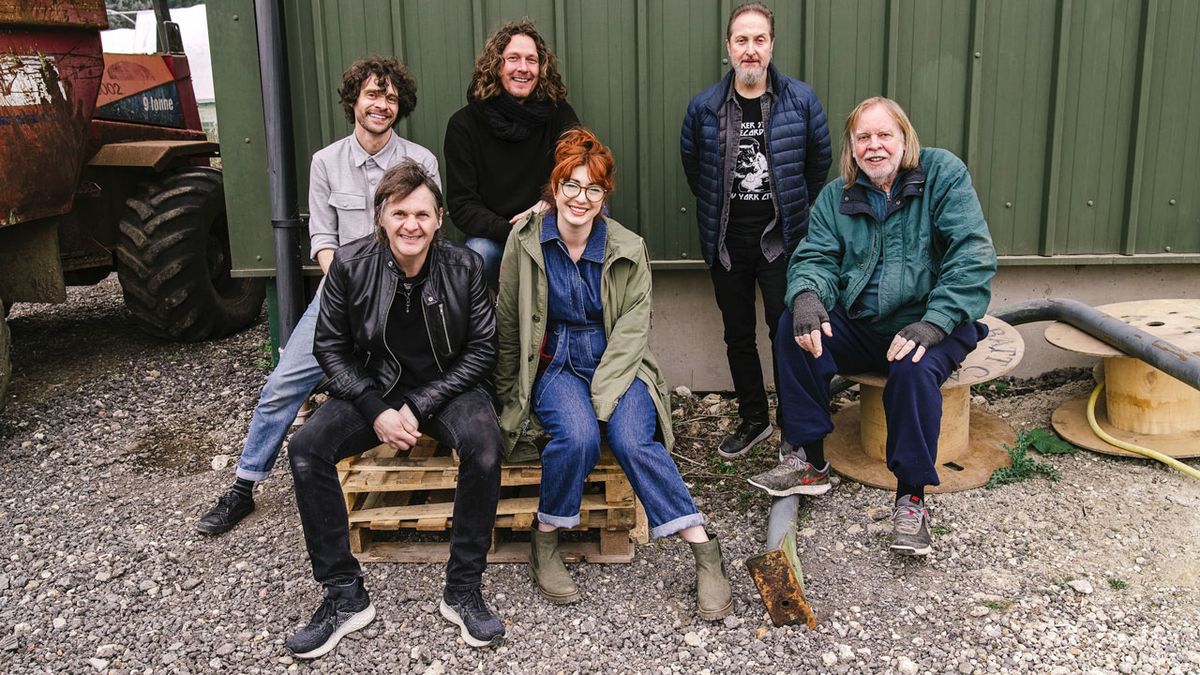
[1025,467]
[998,605]
[940,530]
[992,388]
[1117,584]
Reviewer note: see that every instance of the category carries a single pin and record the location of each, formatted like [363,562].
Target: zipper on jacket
[386,313]
[445,329]
[429,334]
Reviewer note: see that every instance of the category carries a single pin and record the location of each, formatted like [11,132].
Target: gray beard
[749,76]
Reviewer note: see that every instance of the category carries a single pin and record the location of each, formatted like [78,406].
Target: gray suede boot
[713,599]
[547,568]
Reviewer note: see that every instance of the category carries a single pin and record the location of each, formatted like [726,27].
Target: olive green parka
[625,292]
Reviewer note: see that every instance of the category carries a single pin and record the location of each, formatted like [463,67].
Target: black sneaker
[344,610]
[230,509]
[748,434]
[466,609]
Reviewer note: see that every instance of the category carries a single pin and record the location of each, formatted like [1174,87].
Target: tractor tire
[5,359]
[173,259]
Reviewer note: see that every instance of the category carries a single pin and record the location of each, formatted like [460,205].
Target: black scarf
[511,120]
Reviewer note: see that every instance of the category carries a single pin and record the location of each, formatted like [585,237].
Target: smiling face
[410,224]
[519,67]
[577,211]
[376,108]
[878,146]
[750,47]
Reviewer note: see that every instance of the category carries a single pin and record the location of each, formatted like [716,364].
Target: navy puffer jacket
[798,143]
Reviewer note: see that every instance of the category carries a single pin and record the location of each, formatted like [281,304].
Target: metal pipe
[781,519]
[1169,358]
[281,162]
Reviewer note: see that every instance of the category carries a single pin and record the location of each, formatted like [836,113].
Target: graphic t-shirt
[751,201]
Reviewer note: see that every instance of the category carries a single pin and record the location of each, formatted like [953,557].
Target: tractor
[104,165]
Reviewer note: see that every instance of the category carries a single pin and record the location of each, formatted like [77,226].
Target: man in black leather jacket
[407,337]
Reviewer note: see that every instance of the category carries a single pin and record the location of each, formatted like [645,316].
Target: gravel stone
[1082,586]
[106,449]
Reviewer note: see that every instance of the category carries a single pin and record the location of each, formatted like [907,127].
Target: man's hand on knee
[397,428]
[809,320]
[919,335]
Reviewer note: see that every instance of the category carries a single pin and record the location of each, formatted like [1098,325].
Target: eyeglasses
[571,190]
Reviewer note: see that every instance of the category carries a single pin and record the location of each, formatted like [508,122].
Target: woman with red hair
[574,327]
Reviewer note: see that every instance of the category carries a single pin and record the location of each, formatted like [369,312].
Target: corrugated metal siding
[1077,117]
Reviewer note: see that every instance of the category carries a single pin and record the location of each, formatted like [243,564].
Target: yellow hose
[1147,452]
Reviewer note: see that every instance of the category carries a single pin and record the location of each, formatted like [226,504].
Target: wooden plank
[446,509]
[505,552]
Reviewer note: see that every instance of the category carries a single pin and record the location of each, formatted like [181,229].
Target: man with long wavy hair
[500,146]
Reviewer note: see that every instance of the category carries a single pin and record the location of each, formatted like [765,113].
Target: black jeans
[735,298]
[337,431]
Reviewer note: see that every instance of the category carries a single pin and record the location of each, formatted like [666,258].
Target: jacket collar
[618,241]
[593,251]
[910,183]
[360,156]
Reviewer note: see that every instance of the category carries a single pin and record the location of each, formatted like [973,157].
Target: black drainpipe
[281,162]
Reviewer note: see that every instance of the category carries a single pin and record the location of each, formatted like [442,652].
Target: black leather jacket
[350,343]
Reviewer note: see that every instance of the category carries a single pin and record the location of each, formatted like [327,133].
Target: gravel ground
[107,452]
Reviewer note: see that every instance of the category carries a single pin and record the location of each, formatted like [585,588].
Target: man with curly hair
[376,93]
[499,147]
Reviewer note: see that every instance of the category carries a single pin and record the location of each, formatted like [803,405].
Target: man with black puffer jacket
[755,149]
[407,337]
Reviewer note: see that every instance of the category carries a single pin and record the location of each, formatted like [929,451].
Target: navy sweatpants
[912,399]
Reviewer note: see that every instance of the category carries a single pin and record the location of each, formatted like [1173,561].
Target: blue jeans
[563,402]
[289,385]
[912,398]
[491,251]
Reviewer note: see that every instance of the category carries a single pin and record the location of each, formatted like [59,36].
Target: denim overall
[575,343]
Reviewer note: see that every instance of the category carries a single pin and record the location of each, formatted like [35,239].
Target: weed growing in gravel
[1118,584]
[991,389]
[940,530]
[264,361]
[998,605]
[1024,467]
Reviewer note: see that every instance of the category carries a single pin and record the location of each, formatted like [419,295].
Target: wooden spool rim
[1070,421]
[989,436]
[1175,320]
[994,356]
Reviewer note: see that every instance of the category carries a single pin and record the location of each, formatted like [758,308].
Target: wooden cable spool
[971,443]
[1141,404]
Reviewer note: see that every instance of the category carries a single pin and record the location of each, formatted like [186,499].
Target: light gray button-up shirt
[341,187]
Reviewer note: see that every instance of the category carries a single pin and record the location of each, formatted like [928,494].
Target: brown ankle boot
[547,568]
[713,598]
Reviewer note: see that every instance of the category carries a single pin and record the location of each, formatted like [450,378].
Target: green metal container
[1079,119]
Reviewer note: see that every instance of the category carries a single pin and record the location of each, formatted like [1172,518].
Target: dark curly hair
[485,81]
[384,69]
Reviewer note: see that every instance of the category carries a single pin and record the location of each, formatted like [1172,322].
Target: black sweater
[489,180]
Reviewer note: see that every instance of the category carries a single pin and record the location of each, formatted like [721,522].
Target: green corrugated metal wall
[1078,118]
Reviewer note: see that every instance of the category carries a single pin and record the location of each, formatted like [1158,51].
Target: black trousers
[337,431]
[735,297]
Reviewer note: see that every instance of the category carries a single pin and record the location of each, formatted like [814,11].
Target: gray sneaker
[910,527]
[793,476]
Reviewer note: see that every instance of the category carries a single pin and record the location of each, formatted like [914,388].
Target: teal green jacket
[626,295]
[938,257]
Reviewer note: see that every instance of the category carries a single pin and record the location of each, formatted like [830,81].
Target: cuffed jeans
[289,385]
[734,289]
[491,251]
[912,398]
[563,403]
[337,431]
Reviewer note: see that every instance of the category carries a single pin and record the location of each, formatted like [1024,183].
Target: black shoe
[344,610]
[748,434]
[466,609]
[230,509]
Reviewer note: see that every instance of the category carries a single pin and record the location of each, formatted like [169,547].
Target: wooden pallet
[401,508]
